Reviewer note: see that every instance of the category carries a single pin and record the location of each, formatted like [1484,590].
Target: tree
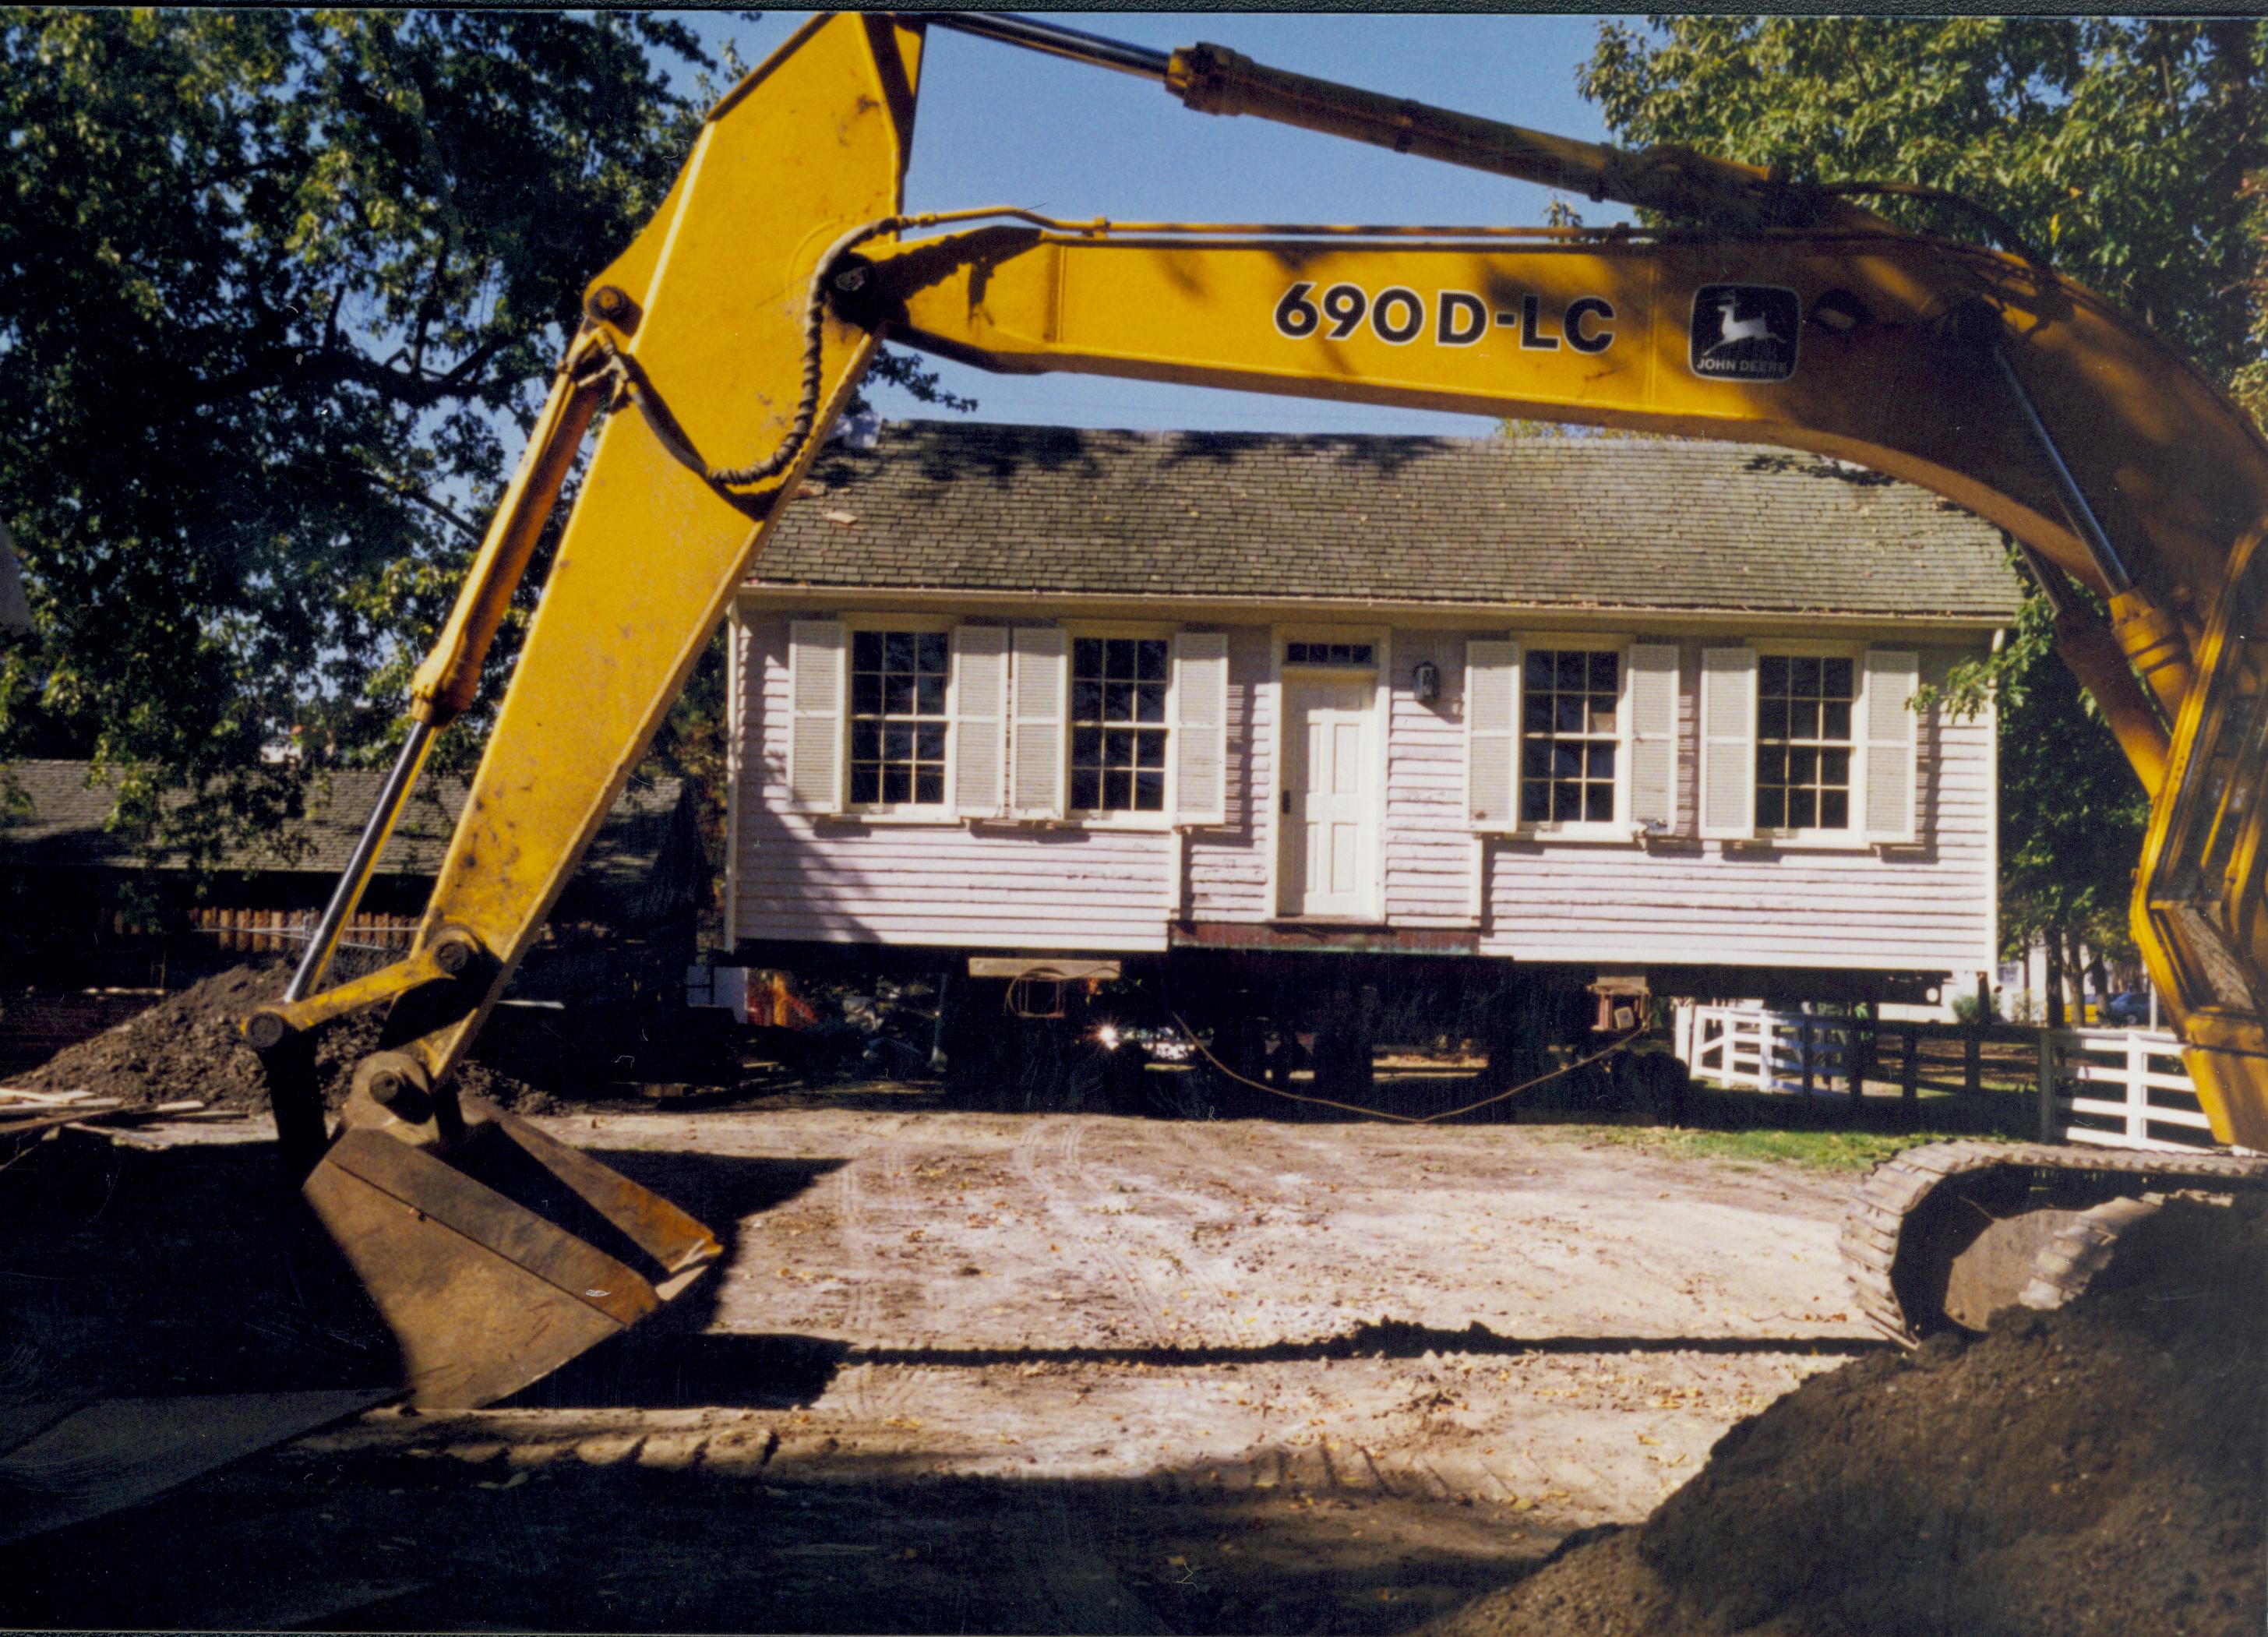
[281,284]
[2130,152]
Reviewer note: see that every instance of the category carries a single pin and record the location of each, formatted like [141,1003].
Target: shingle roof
[1565,521]
[64,827]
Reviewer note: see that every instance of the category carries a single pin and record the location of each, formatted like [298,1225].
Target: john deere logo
[1744,332]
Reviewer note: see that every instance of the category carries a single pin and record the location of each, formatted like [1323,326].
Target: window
[1570,730]
[1803,741]
[898,719]
[1330,653]
[1118,724]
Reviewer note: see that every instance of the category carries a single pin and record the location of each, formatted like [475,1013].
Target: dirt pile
[187,1046]
[2095,1470]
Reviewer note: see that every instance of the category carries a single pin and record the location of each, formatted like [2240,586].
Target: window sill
[1591,835]
[1796,842]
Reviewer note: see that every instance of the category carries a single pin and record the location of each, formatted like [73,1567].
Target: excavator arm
[721,344]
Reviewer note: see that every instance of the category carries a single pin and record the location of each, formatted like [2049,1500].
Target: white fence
[2117,1088]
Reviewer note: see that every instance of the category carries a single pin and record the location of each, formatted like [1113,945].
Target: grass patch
[1808,1150]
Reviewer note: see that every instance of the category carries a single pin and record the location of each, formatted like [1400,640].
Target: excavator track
[1926,1228]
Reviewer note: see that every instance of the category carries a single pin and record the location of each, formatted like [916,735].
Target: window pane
[897,694]
[1086,656]
[933,651]
[1802,809]
[1834,810]
[929,742]
[929,695]
[865,784]
[1150,662]
[929,784]
[1118,750]
[1086,745]
[897,651]
[1803,677]
[1771,674]
[1152,749]
[1567,712]
[1802,767]
[1086,789]
[1117,657]
[1117,790]
[1599,803]
[897,742]
[1771,765]
[1837,679]
[1535,713]
[1603,669]
[1835,721]
[1566,761]
[1118,702]
[1534,800]
[1539,668]
[1599,761]
[1602,716]
[865,741]
[1150,792]
[1086,701]
[1771,719]
[897,783]
[1569,665]
[1803,719]
[1566,802]
[1150,702]
[865,695]
[1835,767]
[866,650]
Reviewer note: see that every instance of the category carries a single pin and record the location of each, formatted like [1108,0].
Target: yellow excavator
[723,343]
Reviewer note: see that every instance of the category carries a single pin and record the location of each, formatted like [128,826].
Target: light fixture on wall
[1425,681]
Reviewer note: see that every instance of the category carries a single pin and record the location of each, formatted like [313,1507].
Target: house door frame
[1294,681]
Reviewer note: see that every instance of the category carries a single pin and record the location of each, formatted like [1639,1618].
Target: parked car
[2130,1010]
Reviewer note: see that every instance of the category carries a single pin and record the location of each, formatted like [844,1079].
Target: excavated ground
[2095,1470]
[1078,1373]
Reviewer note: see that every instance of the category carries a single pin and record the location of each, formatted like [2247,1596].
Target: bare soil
[962,1371]
[1078,1373]
[187,1046]
[2095,1470]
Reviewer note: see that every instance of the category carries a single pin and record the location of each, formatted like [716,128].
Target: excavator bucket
[495,1263]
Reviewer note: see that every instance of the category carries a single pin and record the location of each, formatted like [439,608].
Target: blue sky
[1002,126]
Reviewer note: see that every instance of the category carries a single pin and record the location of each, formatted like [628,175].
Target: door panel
[1329,822]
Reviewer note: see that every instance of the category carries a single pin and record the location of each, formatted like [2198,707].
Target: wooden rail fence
[2124,1088]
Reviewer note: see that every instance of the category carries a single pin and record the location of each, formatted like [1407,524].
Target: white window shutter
[1653,736]
[1893,743]
[1042,691]
[980,720]
[1201,728]
[1728,743]
[817,660]
[1492,733]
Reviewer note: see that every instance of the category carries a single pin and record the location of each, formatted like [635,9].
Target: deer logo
[1744,332]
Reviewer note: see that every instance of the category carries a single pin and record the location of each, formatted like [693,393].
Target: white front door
[1326,809]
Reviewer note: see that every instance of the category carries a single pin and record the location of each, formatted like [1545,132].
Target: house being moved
[1634,715]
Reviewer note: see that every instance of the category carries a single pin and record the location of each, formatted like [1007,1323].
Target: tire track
[1046,1157]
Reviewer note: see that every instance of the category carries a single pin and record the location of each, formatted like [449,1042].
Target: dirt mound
[187,1046]
[2095,1470]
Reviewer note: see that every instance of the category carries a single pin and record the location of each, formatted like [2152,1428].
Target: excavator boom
[722,342]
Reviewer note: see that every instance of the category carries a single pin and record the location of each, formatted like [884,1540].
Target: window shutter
[1893,743]
[1043,659]
[815,681]
[980,719]
[1492,733]
[1201,728]
[1728,743]
[1653,736]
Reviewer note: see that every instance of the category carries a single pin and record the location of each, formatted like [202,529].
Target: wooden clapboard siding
[1101,889]
[1790,907]
[1428,842]
[802,878]
[1228,867]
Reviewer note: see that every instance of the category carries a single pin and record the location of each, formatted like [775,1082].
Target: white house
[1624,710]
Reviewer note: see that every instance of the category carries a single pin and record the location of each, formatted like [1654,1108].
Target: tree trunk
[2055,981]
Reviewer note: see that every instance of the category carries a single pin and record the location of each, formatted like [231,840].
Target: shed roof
[64,828]
[1555,522]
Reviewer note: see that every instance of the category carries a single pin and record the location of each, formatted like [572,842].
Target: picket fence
[2121,1088]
